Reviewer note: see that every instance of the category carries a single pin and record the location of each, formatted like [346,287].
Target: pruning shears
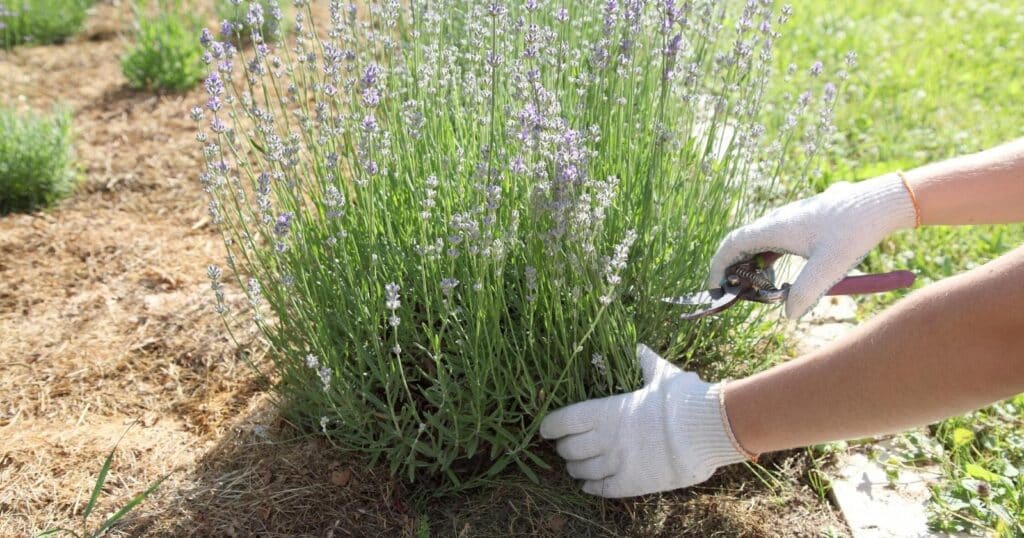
[753,279]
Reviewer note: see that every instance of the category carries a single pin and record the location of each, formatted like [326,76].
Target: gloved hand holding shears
[833,231]
[676,430]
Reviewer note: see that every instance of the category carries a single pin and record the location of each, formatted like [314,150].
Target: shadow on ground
[264,479]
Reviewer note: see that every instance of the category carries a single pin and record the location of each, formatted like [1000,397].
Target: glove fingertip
[569,420]
[550,427]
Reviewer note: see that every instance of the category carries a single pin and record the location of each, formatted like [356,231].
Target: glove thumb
[651,364]
[654,367]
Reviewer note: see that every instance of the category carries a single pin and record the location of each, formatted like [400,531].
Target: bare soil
[106,322]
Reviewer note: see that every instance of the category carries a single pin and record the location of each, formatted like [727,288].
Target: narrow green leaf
[128,507]
[527,471]
[100,480]
[51,532]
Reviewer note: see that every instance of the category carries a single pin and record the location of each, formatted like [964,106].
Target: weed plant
[36,165]
[101,479]
[452,216]
[166,55]
[40,22]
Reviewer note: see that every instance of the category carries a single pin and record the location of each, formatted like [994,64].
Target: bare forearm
[950,348]
[982,188]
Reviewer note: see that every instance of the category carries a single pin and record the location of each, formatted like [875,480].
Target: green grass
[934,80]
[36,166]
[39,22]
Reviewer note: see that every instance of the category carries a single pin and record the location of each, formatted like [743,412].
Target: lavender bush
[39,22]
[452,216]
[36,159]
[165,55]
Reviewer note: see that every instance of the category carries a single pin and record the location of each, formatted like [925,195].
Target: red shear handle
[876,283]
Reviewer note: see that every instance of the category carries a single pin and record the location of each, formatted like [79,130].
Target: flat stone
[874,507]
[811,336]
[832,309]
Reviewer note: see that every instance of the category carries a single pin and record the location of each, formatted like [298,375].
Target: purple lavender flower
[205,37]
[214,273]
[372,74]
[218,50]
[830,91]
[671,14]
[851,59]
[324,372]
[785,14]
[673,46]
[255,16]
[226,29]
[283,224]
[214,85]
[371,97]
[391,296]
[496,9]
[217,125]
[369,123]
[448,286]
[817,68]
[517,166]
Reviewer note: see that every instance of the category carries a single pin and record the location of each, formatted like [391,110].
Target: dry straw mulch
[105,322]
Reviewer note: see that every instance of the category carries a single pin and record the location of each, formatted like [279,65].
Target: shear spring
[756,278]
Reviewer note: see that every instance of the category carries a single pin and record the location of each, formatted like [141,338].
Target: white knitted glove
[833,231]
[669,434]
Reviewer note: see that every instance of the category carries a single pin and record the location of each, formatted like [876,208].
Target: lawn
[935,79]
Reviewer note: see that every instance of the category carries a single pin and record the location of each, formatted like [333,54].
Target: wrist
[736,399]
[727,424]
[700,422]
[888,203]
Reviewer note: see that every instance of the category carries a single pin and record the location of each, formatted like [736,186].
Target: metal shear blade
[713,301]
[696,299]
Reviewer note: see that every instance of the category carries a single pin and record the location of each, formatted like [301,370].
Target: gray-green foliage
[166,55]
[38,22]
[450,217]
[35,159]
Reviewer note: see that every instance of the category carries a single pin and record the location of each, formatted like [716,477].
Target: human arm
[949,348]
[981,188]
[837,228]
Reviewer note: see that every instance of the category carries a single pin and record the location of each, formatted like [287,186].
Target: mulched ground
[106,322]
